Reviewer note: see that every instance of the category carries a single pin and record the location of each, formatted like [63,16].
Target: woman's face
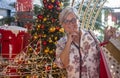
[70,23]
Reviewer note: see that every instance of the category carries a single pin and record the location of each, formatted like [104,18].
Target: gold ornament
[54,65]
[52,29]
[44,35]
[55,38]
[50,41]
[36,20]
[44,19]
[61,4]
[51,51]
[39,26]
[46,50]
[61,30]
[30,49]
[35,37]
[55,42]
[53,0]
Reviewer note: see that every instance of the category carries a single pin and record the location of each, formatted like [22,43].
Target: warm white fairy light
[112,66]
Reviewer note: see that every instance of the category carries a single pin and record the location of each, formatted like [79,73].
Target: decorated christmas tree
[41,51]
[46,32]
[47,26]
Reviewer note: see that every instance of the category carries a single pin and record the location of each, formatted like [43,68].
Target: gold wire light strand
[80,7]
[94,20]
[85,14]
[91,14]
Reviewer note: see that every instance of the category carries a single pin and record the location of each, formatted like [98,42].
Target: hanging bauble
[45,5]
[55,38]
[44,43]
[44,1]
[61,4]
[44,19]
[58,3]
[40,16]
[52,29]
[52,1]
[40,35]
[38,49]
[38,44]
[50,41]
[53,20]
[46,50]
[35,37]
[54,65]
[58,8]
[36,20]
[42,26]
[44,35]
[30,49]
[38,26]
[48,68]
[57,28]
[61,30]
[51,52]
[50,6]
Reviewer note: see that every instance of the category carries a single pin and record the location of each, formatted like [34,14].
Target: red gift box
[12,40]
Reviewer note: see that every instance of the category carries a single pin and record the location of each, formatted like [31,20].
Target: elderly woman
[76,51]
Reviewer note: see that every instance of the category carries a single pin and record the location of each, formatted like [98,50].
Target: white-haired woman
[76,51]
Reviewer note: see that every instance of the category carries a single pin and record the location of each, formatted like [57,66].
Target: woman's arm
[64,56]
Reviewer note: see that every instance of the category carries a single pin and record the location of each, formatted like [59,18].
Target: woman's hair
[64,13]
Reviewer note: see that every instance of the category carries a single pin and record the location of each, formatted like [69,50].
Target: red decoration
[38,49]
[53,20]
[58,8]
[12,43]
[57,28]
[42,26]
[48,68]
[40,35]
[58,3]
[50,6]
[44,1]
[24,5]
[44,43]
[40,16]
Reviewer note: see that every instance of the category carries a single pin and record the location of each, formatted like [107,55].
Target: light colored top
[90,60]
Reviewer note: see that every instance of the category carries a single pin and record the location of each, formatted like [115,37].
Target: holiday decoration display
[24,13]
[12,40]
[37,59]
[31,62]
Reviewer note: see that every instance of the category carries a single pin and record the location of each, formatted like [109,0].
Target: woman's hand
[109,33]
[72,35]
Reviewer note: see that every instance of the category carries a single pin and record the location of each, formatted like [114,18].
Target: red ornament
[44,43]
[50,6]
[40,35]
[40,16]
[58,8]
[48,68]
[37,50]
[44,1]
[45,5]
[53,20]
[42,26]
[58,3]
[57,28]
